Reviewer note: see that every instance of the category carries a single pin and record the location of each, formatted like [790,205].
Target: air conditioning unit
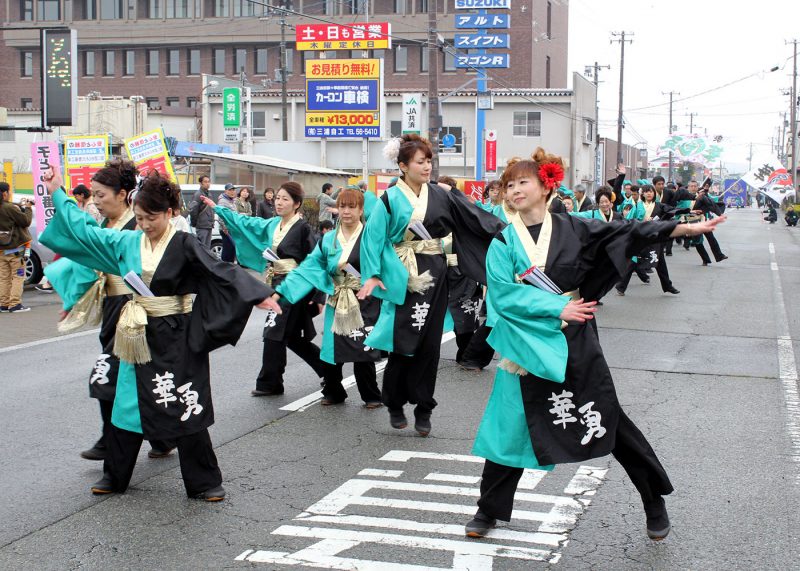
[276,116]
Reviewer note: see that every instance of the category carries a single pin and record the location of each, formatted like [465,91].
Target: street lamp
[198,119]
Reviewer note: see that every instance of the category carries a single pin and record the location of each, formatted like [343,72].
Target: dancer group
[396,272]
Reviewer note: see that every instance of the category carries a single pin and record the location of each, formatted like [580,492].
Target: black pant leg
[411,379]
[333,389]
[668,248]
[308,352]
[703,254]
[198,463]
[273,364]
[479,352]
[122,449]
[714,245]
[661,269]
[106,406]
[228,253]
[395,387]
[498,486]
[367,381]
[626,279]
[641,274]
[636,456]
[462,342]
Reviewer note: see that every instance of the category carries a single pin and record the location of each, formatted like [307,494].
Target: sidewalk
[38,323]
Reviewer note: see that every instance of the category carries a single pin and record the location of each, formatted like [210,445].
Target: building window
[396,128]
[26,10]
[221,9]
[240,60]
[449,58]
[243,8]
[173,62]
[588,131]
[549,19]
[194,62]
[130,62]
[26,103]
[330,7]
[327,54]
[49,10]
[400,6]
[192,102]
[173,101]
[290,61]
[108,63]
[424,56]
[177,9]
[527,124]
[26,68]
[359,54]
[219,61]
[422,6]
[547,71]
[457,132]
[155,9]
[110,9]
[261,61]
[259,123]
[358,6]
[152,62]
[152,102]
[88,63]
[90,9]
[401,58]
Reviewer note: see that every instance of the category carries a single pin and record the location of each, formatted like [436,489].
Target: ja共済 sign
[366,36]
[412,112]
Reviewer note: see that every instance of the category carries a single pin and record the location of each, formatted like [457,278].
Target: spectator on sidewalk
[227,200]
[202,217]
[327,203]
[14,242]
[83,197]
[242,202]
[266,207]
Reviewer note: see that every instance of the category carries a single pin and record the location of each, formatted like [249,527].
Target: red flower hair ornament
[551,175]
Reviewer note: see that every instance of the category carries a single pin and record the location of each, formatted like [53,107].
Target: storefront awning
[278,165]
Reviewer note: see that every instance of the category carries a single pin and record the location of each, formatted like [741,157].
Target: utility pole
[691,122]
[750,158]
[782,139]
[621,40]
[595,70]
[671,94]
[284,97]
[793,114]
[434,119]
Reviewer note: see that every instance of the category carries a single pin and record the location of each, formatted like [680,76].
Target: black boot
[422,422]
[658,525]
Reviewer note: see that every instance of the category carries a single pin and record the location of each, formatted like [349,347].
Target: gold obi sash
[89,308]
[347,311]
[510,366]
[279,268]
[130,341]
[405,251]
[452,260]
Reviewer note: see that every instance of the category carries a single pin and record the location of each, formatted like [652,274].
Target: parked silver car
[39,258]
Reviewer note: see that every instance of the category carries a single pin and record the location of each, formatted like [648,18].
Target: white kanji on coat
[164,385]
[271,317]
[101,369]
[470,306]
[189,398]
[355,334]
[653,257]
[562,405]
[591,420]
[420,315]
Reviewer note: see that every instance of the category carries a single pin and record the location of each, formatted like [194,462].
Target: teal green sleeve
[369,203]
[584,214]
[378,258]
[250,234]
[75,235]
[526,323]
[70,280]
[488,207]
[312,273]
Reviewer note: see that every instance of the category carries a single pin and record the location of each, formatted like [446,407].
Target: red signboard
[366,36]
[491,150]
[474,188]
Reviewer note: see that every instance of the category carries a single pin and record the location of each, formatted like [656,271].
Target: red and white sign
[474,188]
[491,151]
[366,36]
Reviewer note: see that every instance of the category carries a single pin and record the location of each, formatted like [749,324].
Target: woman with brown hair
[278,245]
[404,265]
[553,399]
[163,337]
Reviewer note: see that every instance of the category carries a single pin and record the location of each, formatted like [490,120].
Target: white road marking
[335,529]
[787,367]
[380,473]
[309,400]
[49,340]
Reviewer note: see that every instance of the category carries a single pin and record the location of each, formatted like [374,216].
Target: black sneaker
[96,452]
[44,289]
[103,487]
[658,525]
[213,495]
[480,525]
[19,308]
[3,309]
[422,423]
[397,419]
[158,453]
[267,393]
[672,290]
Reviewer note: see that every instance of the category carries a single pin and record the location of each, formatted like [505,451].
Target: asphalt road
[708,375]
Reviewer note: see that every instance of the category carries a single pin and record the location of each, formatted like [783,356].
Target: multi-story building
[158,49]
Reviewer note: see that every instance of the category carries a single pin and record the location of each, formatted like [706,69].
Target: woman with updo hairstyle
[553,399]
[334,268]
[274,247]
[163,336]
[403,264]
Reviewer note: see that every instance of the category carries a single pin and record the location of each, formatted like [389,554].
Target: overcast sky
[690,47]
